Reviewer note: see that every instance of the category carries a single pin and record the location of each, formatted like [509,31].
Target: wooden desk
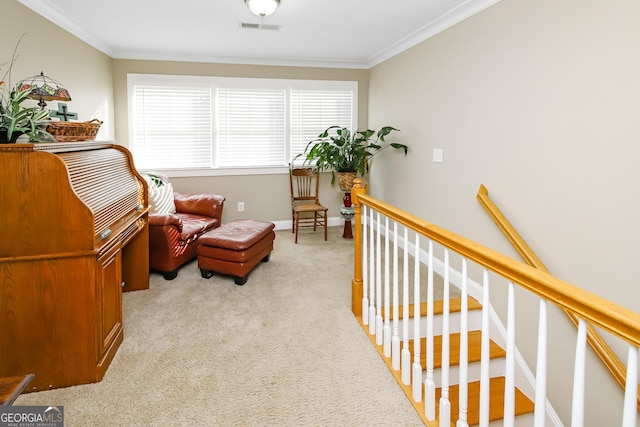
[74,233]
[11,387]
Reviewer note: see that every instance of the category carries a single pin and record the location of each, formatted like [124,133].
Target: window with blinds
[312,111]
[171,126]
[185,122]
[251,127]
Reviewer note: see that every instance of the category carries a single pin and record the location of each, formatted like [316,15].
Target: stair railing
[610,360]
[414,372]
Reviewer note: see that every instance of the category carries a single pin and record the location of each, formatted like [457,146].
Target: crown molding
[456,15]
[451,18]
[63,22]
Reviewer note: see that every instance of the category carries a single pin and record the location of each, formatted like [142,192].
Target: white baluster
[463,398]
[365,269]
[445,405]
[577,406]
[429,382]
[386,348]
[509,383]
[417,368]
[372,292]
[395,339]
[379,283]
[406,354]
[484,357]
[540,413]
[630,412]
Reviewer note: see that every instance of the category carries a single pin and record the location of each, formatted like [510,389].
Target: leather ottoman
[235,248]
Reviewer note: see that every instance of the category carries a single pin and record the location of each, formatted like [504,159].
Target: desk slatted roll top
[104,182]
[68,197]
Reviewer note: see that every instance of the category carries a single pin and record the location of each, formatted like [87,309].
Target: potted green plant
[16,119]
[345,152]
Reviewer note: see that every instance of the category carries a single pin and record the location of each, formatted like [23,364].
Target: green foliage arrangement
[16,119]
[340,150]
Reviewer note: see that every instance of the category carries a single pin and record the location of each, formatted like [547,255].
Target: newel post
[356,283]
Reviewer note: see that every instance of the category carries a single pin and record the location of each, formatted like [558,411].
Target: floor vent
[249,25]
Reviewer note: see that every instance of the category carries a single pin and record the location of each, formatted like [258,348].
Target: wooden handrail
[611,361]
[605,314]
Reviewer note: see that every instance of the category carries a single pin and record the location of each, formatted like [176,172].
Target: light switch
[437,155]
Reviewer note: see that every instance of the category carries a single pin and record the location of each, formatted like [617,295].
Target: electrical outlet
[240,206]
[437,155]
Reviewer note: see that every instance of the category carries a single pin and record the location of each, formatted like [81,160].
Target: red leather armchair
[173,237]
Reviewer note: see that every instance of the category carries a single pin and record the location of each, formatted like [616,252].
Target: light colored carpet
[282,350]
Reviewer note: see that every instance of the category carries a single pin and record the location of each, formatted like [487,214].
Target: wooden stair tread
[454,306]
[524,405]
[474,349]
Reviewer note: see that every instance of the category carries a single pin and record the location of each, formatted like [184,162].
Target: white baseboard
[332,221]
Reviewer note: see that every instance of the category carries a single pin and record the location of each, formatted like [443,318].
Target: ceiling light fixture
[262,8]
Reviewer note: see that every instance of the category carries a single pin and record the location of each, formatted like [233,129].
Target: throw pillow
[160,193]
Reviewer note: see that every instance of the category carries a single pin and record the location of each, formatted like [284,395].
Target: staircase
[523,405]
[384,235]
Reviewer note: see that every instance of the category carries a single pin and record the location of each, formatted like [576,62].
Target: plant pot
[345,180]
[5,140]
[346,200]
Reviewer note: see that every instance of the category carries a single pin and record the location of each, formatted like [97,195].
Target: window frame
[242,82]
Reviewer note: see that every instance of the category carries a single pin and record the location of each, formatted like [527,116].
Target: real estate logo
[32,416]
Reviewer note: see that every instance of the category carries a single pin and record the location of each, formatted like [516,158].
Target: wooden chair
[306,210]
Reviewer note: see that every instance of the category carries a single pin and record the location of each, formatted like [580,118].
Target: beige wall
[539,102]
[83,70]
[265,196]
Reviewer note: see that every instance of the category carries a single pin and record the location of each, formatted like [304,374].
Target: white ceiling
[324,33]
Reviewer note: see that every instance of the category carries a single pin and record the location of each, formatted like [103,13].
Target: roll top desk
[73,236]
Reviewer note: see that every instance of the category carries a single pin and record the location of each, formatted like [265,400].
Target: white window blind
[312,111]
[171,126]
[251,127]
[185,123]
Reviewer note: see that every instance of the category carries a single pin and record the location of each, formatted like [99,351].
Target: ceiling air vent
[249,25]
